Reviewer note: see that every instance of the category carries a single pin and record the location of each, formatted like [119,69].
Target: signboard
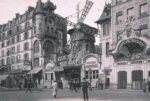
[91,62]
[50,66]
[133,40]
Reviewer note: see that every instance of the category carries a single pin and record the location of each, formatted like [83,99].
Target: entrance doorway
[122,80]
[137,77]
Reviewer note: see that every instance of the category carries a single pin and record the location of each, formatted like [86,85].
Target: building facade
[130,43]
[31,40]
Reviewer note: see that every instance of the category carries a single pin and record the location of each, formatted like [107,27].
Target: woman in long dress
[55,87]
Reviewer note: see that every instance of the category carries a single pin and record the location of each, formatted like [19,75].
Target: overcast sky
[8,9]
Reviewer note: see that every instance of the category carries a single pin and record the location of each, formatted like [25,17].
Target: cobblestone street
[67,95]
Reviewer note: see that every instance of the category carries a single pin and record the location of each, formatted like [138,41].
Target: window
[119,17]
[8,42]
[8,60]
[17,28]
[27,25]
[143,29]
[18,48]
[18,38]
[36,62]
[26,46]
[13,59]
[107,48]
[60,34]
[2,53]
[18,58]
[26,35]
[60,43]
[120,1]
[2,44]
[13,40]
[3,61]
[36,47]
[8,52]
[13,50]
[105,29]
[26,56]
[130,12]
[143,10]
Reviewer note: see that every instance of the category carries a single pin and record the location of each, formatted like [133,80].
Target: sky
[65,8]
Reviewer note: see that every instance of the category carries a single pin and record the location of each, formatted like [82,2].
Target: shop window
[86,74]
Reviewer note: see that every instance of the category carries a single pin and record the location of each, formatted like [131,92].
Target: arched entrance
[122,80]
[137,77]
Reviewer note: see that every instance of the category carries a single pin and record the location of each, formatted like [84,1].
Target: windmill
[80,31]
[80,26]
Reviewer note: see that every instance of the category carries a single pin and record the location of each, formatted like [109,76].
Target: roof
[39,7]
[49,5]
[106,14]
[35,70]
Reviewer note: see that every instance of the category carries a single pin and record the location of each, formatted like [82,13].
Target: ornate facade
[129,46]
[31,40]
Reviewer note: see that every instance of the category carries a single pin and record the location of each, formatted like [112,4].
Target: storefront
[131,63]
[51,73]
[91,69]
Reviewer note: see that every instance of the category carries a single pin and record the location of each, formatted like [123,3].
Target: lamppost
[90,74]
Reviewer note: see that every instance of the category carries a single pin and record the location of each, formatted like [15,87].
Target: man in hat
[85,86]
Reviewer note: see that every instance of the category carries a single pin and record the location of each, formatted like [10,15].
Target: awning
[58,69]
[72,66]
[3,77]
[35,70]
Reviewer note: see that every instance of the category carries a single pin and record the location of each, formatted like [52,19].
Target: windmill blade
[86,10]
[70,23]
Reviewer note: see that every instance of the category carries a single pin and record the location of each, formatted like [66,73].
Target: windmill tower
[82,36]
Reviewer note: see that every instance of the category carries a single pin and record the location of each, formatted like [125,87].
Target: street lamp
[90,72]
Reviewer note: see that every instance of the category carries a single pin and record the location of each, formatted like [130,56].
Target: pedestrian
[28,85]
[85,86]
[144,84]
[55,87]
[148,82]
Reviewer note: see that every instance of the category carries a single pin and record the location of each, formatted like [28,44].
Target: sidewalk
[17,89]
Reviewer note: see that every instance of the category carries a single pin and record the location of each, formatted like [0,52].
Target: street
[67,95]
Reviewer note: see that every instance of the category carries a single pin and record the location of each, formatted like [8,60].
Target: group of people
[145,85]
[74,86]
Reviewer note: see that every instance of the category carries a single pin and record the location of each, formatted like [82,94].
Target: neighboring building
[130,43]
[30,41]
[104,23]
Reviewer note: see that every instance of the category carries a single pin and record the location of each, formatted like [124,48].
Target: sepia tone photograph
[74,50]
